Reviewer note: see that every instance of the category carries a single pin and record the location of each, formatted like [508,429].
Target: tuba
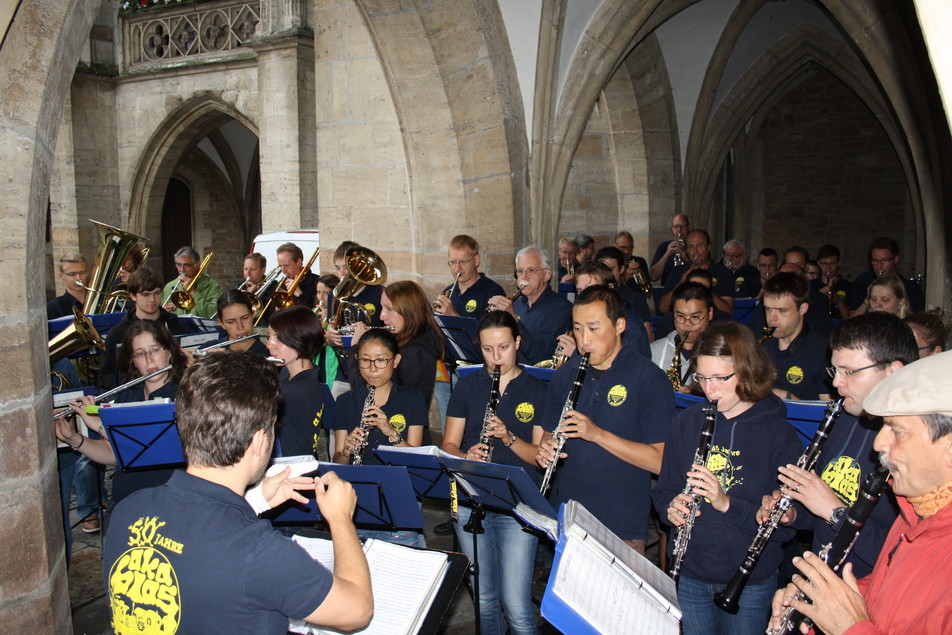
[364,268]
[114,246]
[76,337]
[182,298]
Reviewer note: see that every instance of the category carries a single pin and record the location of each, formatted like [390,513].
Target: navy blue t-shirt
[632,399]
[801,368]
[405,407]
[301,413]
[191,556]
[541,324]
[473,301]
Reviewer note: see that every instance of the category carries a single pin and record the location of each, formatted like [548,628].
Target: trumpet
[448,293]
[203,352]
[484,437]
[570,402]
[678,255]
[357,455]
[183,299]
[117,389]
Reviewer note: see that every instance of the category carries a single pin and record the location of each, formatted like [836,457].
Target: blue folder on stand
[461,336]
[545,374]
[143,437]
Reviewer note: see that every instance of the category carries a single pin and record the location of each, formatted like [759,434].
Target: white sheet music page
[605,596]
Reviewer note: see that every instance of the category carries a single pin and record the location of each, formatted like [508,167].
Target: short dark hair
[298,328]
[704,274]
[788,283]
[380,336]
[598,270]
[687,291]
[162,337]
[768,252]
[600,293]
[144,279]
[464,241]
[797,249]
[932,328]
[341,252]
[612,253]
[261,260]
[755,372]
[883,337]
[223,401]
[884,242]
[294,250]
[703,232]
[499,320]
[826,251]
[329,280]
[230,297]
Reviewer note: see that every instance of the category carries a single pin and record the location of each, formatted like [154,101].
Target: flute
[202,352]
[836,551]
[728,598]
[117,389]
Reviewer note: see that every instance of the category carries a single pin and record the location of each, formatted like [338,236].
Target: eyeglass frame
[693,320]
[530,271]
[833,371]
[152,352]
[723,379]
[365,363]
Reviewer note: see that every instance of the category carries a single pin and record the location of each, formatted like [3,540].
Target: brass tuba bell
[364,268]
[78,336]
[114,246]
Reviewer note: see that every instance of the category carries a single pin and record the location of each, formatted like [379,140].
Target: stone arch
[171,142]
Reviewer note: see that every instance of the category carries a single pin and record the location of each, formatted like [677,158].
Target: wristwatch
[511,441]
[395,439]
[837,516]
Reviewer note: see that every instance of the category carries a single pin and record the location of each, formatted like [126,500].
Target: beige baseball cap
[923,387]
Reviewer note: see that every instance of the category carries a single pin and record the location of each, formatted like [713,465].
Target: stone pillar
[286,131]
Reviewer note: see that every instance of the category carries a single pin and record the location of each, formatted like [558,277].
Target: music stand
[806,416]
[545,374]
[143,437]
[385,498]
[460,335]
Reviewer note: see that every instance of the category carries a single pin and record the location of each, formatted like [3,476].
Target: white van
[267,244]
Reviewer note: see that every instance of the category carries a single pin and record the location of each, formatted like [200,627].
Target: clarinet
[727,599]
[484,436]
[700,458]
[835,552]
[570,402]
[357,456]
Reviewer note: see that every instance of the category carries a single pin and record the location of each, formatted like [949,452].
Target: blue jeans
[701,615]
[506,558]
[406,537]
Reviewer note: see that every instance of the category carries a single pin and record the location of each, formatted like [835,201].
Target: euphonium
[768,331]
[448,293]
[674,371]
[114,246]
[364,268]
[485,437]
[182,299]
[700,458]
[728,598]
[357,456]
[284,299]
[559,437]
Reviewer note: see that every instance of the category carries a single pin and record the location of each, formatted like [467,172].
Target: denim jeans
[406,537]
[506,558]
[701,615]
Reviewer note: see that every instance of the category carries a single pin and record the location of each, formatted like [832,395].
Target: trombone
[183,299]
[284,299]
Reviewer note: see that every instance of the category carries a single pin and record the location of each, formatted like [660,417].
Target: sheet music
[404,582]
[605,596]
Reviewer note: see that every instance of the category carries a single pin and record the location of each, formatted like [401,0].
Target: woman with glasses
[394,417]
[147,347]
[506,551]
[752,438]
[931,332]
[294,336]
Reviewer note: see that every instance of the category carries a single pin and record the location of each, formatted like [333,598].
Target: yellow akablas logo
[525,412]
[841,294]
[144,592]
[399,422]
[795,375]
[721,462]
[842,475]
[470,306]
[371,309]
[617,395]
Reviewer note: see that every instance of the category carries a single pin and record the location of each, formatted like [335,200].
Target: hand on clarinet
[836,602]
[767,504]
[809,490]
[678,510]
[575,425]
[479,452]
[546,452]
[355,439]
[706,485]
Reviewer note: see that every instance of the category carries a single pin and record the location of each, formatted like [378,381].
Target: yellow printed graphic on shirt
[617,395]
[721,463]
[144,592]
[525,412]
[795,375]
[470,306]
[843,476]
[371,309]
[399,422]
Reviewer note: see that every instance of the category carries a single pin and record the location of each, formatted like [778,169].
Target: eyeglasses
[714,380]
[531,271]
[881,261]
[73,274]
[152,352]
[185,265]
[692,319]
[459,263]
[833,371]
[380,362]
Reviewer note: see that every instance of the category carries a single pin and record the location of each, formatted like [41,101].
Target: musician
[294,336]
[665,325]
[830,283]
[884,259]
[473,289]
[568,258]
[745,275]
[799,355]
[74,274]
[145,290]
[133,260]
[255,268]
[751,439]
[907,591]
[325,287]
[885,293]
[817,316]
[542,313]
[586,248]
[796,255]
[693,312]
[291,261]
[147,346]
[193,556]
[396,418]
[368,297]
[506,551]
[663,260]
[697,250]
[931,332]
[235,317]
[625,242]
[767,263]
[634,299]
[615,435]
[205,292]
[865,350]
[595,273]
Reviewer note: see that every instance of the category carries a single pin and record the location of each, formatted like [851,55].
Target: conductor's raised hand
[281,487]
[335,497]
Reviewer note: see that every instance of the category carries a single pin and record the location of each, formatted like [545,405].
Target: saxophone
[484,436]
[700,458]
[674,371]
[570,402]
[357,456]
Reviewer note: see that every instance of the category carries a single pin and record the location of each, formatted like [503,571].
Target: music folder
[143,435]
[385,498]
[460,335]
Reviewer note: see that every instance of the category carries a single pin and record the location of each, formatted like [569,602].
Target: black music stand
[143,437]
[460,335]
[385,499]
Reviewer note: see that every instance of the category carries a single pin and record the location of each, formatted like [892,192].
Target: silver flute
[484,436]
[357,456]
[700,458]
[202,352]
[117,389]
[559,437]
